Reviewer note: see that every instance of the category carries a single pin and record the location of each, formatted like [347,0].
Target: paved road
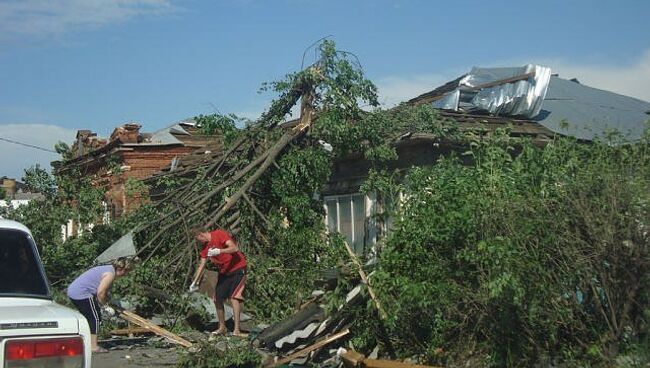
[136,357]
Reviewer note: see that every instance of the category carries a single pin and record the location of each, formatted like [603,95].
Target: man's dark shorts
[231,285]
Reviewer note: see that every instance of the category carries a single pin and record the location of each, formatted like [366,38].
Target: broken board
[142,322]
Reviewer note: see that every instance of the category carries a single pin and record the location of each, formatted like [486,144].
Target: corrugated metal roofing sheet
[568,108]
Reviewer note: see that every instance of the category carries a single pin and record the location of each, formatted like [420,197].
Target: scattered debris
[306,331]
[134,318]
[123,247]
[311,348]
[290,329]
[353,359]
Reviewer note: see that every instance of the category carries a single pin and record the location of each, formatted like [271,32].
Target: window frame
[369,224]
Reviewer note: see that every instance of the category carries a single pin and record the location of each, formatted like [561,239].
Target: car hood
[30,317]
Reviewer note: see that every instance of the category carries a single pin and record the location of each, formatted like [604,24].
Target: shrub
[543,253]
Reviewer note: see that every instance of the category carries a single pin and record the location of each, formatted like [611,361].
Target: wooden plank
[134,318]
[353,359]
[495,83]
[130,331]
[364,278]
[311,348]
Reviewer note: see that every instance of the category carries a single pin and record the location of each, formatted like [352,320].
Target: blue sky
[94,64]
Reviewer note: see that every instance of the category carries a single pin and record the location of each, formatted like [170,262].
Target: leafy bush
[525,253]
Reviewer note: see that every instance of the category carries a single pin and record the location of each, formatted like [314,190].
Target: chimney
[127,133]
[82,138]
[9,185]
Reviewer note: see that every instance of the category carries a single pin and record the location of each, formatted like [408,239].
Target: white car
[34,330]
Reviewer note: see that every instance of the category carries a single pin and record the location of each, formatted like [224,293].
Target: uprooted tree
[261,188]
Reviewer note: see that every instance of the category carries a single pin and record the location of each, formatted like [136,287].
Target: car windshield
[21,273]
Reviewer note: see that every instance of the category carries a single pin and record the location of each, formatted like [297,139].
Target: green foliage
[339,85]
[67,198]
[169,183]
[225,353]
[112,164]
[295,249]
[3,193]
[134,187]
[224,125]
[40,181]
[64,150]
[77,192]
[278,282]
[63,262]
[295,234]
[44,218]
[526,253]
[512,254]
[373,134]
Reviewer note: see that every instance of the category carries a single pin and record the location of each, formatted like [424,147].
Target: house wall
[9,185]
[143,162]
[135,161]
[348,174]
[139,163]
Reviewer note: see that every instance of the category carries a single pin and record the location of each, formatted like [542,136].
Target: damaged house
[529,100]
[128,154]
[230,187]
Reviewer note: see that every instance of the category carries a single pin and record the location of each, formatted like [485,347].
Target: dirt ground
[146,350]
[141,356]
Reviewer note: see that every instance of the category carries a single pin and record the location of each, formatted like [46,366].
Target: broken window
[350,215]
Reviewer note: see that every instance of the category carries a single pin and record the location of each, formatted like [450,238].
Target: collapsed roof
[532,93]
[88,147]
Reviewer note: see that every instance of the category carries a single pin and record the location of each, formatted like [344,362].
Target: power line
[27,145]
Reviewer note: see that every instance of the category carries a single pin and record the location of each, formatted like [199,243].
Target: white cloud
[393,90]
[630,80]
[249,114]
[52,17]
[16,158]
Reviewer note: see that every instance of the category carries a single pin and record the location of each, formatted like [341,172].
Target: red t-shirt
[227,262]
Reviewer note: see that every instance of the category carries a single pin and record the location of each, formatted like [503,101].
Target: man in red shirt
[223,252]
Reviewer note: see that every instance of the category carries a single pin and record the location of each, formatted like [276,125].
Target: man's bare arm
[199,271]
[231,247]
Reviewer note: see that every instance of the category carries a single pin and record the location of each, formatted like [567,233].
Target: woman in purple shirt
[90,290]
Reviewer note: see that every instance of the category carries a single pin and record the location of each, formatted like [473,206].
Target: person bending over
[90,290]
